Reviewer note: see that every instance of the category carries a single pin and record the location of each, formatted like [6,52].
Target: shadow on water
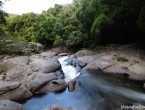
[94,90]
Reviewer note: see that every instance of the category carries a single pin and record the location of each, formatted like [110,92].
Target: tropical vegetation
[84,23]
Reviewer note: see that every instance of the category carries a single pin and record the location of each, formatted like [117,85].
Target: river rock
[57,107]
[17,94]
[71,86]
[35,46]
[63,54]
[4,66]
[9,41]
[7,86]
[45,66]
[54,85]
[18,73]
[19,60]
[13,83]
[81,64]
[49,54]
[39,80]
[132,63]
[75,63]
[10,105]
[60,49]
[60,74]
[83,53]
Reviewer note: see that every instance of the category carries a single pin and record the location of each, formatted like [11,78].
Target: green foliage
[4,104]
[2,14]
[141,20]
[122,58]
[2,18]
[84,23]
[100,22]
[58,41]
[75,39]
[112,21]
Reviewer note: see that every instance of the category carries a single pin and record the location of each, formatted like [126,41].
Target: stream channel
[94,90]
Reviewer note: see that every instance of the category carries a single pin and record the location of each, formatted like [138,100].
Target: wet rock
[144,86]
[56,107]
[75,63]
[10,105]
[57,73]
[54,85]
[60,74]
[69,61]
[63,54]
[71,86]
[78,69]
[81,64]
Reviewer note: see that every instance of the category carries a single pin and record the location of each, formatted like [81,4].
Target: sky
[25,6]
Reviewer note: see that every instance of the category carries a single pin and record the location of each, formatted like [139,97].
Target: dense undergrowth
[82,24]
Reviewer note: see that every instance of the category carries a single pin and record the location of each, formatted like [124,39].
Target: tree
[2,17]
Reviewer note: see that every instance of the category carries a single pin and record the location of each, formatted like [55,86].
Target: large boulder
[121,60]
[22,76]
[71,86]
[83,53]
[10,46]
[34,46]
[44,65]
[18,73]
[7,86]
[19,60]
[37,81]
[60,49]
[13,83]
[10,105]
[4,66]
[54,85]
[17,94]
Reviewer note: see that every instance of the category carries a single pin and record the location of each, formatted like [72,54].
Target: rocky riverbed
[23,76]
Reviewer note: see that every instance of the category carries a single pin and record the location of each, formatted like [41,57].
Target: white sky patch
[36,6]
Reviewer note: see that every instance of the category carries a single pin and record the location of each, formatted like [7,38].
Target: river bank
[22,76]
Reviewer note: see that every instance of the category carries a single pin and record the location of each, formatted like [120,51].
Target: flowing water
[94,90]
[69,71]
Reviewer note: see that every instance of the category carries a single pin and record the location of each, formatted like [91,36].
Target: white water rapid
[69,71]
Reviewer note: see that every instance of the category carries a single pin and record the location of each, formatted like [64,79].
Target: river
[94,90]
